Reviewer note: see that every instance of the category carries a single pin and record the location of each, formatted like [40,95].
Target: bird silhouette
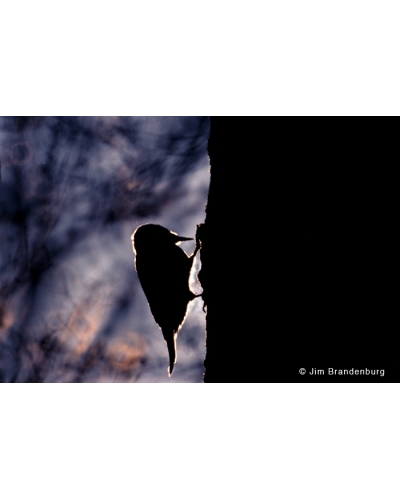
[163,269]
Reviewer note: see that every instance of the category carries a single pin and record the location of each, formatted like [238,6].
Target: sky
[72,191]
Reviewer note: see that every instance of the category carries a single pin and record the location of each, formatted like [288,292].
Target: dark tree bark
[300,248]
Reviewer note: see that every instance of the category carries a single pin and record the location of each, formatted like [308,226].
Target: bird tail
[171,344]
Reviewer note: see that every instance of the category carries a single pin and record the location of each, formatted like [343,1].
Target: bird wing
[167,286]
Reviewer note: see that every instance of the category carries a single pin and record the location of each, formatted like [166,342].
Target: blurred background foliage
[72,191]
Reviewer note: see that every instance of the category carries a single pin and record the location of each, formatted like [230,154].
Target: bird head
[150,235]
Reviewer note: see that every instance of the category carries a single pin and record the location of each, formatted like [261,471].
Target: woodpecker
[163,269]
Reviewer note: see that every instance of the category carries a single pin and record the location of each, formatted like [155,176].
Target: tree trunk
[299,246]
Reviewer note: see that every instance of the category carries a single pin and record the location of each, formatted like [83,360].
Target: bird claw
[199,229]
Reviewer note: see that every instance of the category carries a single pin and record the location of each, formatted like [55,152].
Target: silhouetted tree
[300,248]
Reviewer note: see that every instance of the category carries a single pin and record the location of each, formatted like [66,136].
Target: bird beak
[178,238]
[182,238]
